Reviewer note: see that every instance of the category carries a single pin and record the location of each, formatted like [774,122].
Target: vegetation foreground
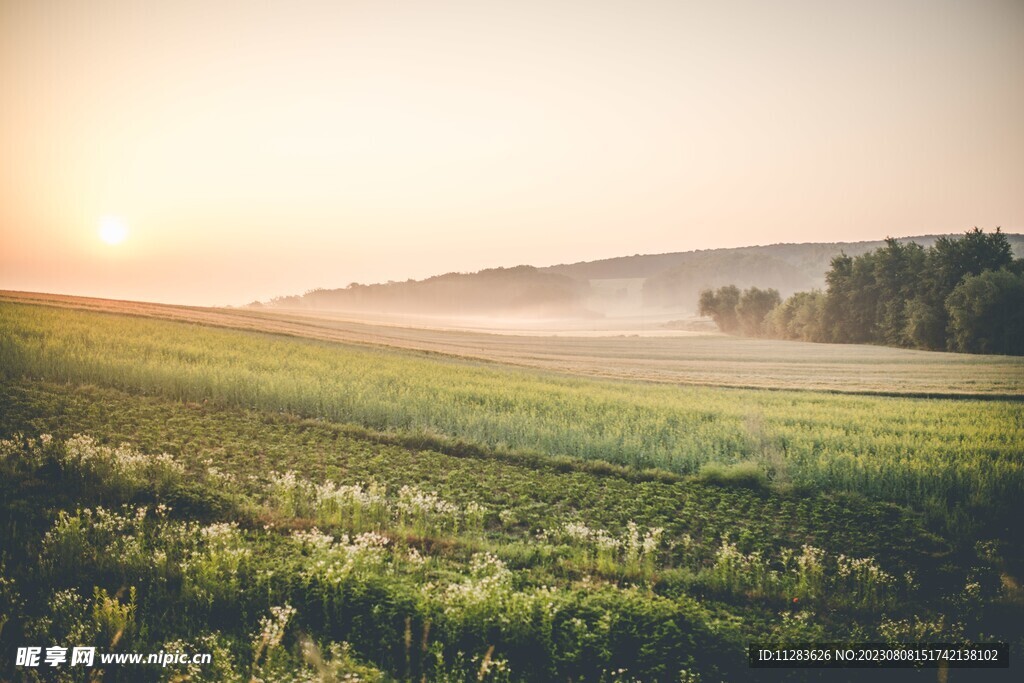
[310,511]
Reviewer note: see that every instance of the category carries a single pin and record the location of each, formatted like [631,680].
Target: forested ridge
[651,285]
[960,294]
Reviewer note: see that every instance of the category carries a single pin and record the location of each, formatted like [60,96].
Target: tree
[754,305]
[925,323]
[948,262]
[963,294]
[897,270]
[721,305]
[798,317]
[838,321]
[986,313]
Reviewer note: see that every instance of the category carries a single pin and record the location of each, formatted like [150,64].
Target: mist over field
[643,292]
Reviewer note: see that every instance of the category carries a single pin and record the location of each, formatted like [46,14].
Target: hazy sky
[263,148]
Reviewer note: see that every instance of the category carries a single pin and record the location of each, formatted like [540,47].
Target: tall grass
[959,460]
[179,575]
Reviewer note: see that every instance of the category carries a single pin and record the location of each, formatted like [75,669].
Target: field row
[257,530]
[959,461]
[649,355]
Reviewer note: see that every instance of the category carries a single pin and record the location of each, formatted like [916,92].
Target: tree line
[521,290]
[961,294]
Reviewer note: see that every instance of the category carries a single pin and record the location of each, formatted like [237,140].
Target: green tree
[948,262]
[897,270]
[986,313]
[844,317]
[754,306]
[799,317]
[720,304]
[925,323]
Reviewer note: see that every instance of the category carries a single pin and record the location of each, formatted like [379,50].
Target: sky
[254,149]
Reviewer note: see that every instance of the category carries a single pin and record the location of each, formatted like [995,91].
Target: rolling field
[306,506]
[647,354]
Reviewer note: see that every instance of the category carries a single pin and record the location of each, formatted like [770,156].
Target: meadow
[308,509]
[635,350]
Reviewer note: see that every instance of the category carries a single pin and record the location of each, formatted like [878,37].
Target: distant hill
[523,290]
[627,285]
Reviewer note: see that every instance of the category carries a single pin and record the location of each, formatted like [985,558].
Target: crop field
[308,507]
[645,354]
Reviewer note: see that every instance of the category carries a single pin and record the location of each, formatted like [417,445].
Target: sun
[113,230]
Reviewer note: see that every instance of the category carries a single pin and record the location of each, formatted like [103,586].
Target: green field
[327,508]
[632,351]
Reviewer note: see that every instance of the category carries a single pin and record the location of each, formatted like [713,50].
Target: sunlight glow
[113,230]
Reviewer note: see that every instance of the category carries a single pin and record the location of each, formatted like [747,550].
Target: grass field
[681,358]
[325,508]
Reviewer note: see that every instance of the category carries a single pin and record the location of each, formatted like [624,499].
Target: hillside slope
[655,284]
